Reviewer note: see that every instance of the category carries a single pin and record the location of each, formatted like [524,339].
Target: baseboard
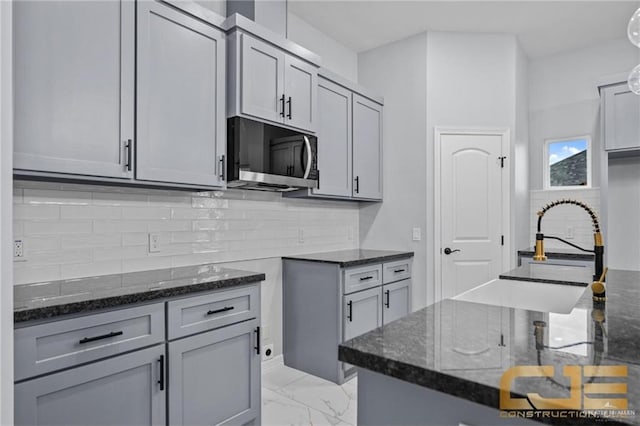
[276,361]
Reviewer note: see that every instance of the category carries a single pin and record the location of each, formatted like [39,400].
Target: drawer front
[396,271]
[200,313]
[48,347]
[362,278]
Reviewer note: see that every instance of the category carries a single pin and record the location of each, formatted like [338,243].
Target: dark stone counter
[347,258]
[463,349]
[50,299]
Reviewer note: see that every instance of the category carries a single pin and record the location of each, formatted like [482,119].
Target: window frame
[546,171]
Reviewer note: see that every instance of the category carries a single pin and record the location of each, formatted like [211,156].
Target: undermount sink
[533,296]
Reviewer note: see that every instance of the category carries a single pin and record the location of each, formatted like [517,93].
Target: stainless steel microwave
[268,157]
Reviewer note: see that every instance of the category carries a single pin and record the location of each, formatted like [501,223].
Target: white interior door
[471,210]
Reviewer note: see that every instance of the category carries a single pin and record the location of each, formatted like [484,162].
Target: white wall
[335,56]
[72,231]
[477,80]
[564,97]
[6,240]
[398,71]
[429,80]
[519,228]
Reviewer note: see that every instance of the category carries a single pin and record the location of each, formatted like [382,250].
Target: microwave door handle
[309,157]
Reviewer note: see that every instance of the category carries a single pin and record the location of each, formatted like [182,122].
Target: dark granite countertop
[346,258]
[454,347]
[559,253]
[50,299]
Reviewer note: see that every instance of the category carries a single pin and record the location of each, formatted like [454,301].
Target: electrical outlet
[154,242]
[267,352]
[417,234]
[18,249]
[569,234]
[301,235]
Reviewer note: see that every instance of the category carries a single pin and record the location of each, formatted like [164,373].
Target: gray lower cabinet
[124,390]
[215,377]
[73,87]
[181,121]
[396,300]
[363,312]
[195,359]
[620,109]
[325,305]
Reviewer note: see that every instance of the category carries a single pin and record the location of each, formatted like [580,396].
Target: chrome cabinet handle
[309,158]
[282,105]
[448,251]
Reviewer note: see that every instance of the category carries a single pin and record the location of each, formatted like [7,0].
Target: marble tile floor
[292,397]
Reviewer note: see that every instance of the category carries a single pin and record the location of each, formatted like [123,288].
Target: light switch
[417,234]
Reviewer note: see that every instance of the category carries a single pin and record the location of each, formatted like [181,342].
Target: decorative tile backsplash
[72,231]
[563,220]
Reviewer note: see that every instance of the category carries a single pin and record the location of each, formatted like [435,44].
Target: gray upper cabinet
[262,77]
[334,134]
[73,83]
[367,148]
[301,86]
[621,117]
[267,83]
[124,390]
[215,377]
[181,125]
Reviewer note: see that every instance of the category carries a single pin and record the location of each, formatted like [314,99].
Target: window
[567,163]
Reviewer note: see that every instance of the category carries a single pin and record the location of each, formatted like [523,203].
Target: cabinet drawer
[396,271]
[362,278]
[213,310]
[55,345]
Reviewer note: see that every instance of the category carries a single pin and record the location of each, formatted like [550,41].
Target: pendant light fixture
[633,32]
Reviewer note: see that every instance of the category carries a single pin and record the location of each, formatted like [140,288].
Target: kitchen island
[444,364]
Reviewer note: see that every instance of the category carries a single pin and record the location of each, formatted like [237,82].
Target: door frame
[505,134]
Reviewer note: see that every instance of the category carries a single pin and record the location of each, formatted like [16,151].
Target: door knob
[447,250]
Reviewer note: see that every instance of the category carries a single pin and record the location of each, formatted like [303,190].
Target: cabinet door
[301,88]
[362,312]
[181,90]
[621,118]
[334,139]
[215,377]
[397,300]
[262,80]
[123,390]
[73,82]
[367,148]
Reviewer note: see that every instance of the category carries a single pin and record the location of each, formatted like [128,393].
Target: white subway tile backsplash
[95,268]
[145,213]
[90,212]
[57,227]
[75,231]
[29,212]
[110,226]
[90,240]
[49,196]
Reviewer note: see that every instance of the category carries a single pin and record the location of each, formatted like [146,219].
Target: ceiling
[543,27]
